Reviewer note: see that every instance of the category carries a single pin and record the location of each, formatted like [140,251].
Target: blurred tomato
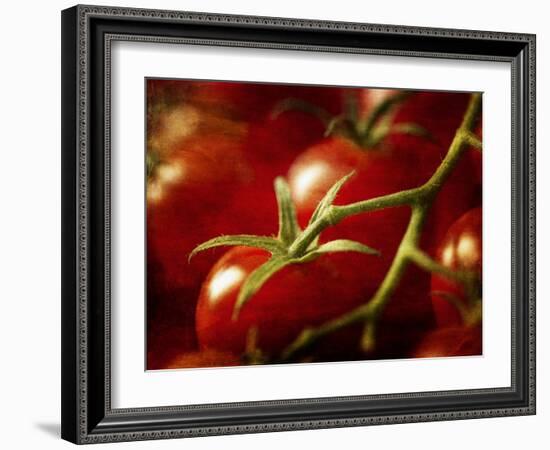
[188,193]
[451,341]
[460,250]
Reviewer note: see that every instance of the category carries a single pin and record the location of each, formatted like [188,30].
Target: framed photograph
[282,224]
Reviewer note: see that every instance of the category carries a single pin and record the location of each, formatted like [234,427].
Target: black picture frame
[87,32]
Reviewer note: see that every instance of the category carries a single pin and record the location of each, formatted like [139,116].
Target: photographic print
[285,204]
[293,224]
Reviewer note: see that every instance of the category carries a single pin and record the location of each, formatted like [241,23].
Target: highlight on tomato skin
[214,150]
[321,290]
[457,304]
[461,250]
[296,297]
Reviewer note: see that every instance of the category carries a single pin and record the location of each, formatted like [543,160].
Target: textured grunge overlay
[291,223]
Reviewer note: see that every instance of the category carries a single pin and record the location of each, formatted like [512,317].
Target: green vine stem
[420,200]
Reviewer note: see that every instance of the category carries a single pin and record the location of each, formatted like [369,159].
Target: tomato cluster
[214,149]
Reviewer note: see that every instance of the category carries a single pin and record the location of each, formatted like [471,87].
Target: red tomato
[452,341]
[187,204]
[460,250]
[187,198]
[298,296]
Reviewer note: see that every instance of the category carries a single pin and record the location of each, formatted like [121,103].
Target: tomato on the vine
[213,183]
[460,250]
[210,172]
[425,125]
[298,296]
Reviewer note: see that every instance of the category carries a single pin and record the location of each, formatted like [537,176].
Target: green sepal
[258,277]
[272,245]
[335,125]
[381,131]
[288,224]
[381,110]
[409,128]
[338,245]
[256,280]
[295,104]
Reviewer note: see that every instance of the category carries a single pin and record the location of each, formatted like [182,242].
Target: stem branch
[420,200]
[427,263]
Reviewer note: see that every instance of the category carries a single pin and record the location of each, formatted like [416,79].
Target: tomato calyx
[366,132]
[292,245]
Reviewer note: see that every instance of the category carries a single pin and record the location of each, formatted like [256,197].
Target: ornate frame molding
[80,417]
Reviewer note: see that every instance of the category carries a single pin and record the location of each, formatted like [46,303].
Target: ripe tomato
[451,341]
[187,201]
[460,250]
[298,296]
[188,194]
